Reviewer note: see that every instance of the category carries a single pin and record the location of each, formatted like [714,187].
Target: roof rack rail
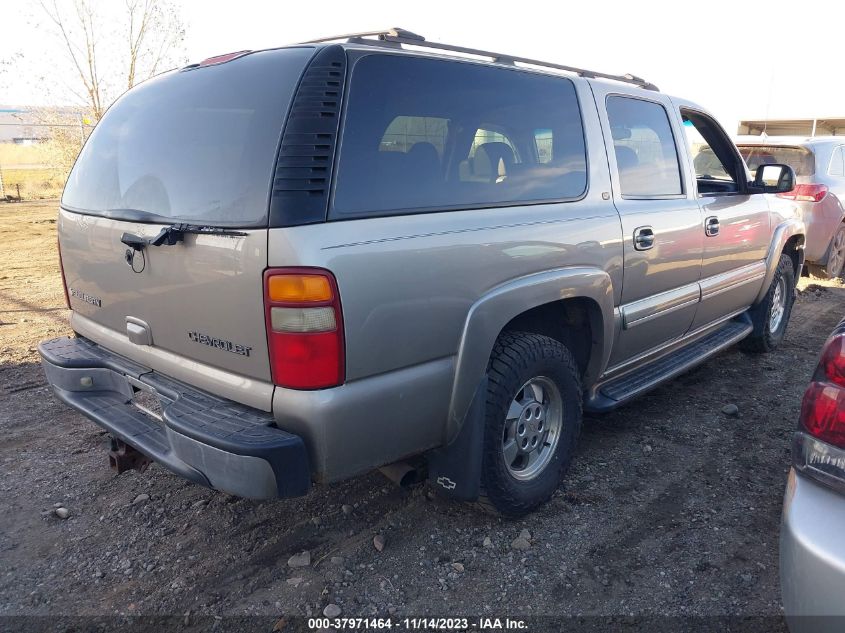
[394,32]
[397,36]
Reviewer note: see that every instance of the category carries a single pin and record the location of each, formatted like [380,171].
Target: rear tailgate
[196,146]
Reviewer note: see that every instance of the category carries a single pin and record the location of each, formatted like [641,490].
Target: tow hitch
[123,457]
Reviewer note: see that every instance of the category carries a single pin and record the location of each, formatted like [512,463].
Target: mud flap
[455,469]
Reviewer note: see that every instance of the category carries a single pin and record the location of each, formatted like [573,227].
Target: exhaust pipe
[400,473]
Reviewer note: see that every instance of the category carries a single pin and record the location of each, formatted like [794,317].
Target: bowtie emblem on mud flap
[446,483]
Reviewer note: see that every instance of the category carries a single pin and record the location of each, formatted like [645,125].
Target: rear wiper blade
[136,215]
[201,229]
[174,234]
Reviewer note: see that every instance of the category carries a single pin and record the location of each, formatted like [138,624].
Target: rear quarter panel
[407,283]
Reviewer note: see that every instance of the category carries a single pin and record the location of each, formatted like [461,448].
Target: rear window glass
[800,159]
[197,145]
[423,134]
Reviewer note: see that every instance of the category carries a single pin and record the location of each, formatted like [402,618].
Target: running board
[619,390]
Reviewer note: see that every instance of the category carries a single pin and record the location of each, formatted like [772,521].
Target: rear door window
[424,135]
[197,145]
[646,155]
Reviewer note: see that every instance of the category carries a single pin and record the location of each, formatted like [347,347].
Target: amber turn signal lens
[299,288]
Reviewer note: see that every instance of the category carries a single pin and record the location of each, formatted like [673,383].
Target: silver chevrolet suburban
[300,264]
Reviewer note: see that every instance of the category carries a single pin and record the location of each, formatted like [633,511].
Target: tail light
[304,328]
[823,413]
[62,269]
[819,446]
[832,361]
[806,193]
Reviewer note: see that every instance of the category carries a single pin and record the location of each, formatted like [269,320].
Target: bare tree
[79,36]
[101,48]
[155,32]
[110,52]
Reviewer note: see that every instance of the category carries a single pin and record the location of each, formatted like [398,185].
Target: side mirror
[774,179]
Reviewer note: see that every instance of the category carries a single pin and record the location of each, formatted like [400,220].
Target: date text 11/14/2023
[419,624]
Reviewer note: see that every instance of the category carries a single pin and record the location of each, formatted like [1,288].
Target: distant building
[19,126]
[828,126]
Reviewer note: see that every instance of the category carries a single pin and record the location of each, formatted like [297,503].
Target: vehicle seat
[494,161]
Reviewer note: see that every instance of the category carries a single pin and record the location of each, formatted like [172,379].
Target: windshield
[800,159]
[196,145]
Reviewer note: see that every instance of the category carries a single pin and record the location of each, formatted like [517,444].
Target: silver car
[812,548]
[819,165]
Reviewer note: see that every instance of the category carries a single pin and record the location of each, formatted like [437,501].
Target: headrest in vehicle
[494,161]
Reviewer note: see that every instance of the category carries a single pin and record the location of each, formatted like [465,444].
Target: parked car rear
[819,165]
[812,548]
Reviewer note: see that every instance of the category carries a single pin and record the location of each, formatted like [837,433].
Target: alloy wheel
[532,428]
[778,305]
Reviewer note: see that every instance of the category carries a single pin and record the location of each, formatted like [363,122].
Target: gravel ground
[671,507]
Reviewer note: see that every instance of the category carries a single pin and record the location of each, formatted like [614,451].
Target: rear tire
[771,316]
[532,421]
[835,259]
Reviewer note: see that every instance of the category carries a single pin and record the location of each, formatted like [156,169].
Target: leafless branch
[147,36]
[104,48]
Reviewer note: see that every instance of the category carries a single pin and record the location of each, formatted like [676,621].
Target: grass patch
[33,184]
[31,170]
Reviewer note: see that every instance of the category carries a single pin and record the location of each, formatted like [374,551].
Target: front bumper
[211,441]
[812,556]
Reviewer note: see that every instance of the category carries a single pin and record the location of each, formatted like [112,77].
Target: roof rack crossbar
[400,36]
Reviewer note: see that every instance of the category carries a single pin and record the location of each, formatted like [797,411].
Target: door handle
[643,238]
[711,226]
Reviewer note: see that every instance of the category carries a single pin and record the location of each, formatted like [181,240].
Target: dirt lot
[671,507]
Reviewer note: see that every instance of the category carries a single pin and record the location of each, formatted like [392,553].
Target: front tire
[533,417]
[771,316]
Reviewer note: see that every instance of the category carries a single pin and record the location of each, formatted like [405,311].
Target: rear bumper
[812,556]
[208,440]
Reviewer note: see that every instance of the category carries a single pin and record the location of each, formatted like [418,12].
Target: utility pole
[2,190]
